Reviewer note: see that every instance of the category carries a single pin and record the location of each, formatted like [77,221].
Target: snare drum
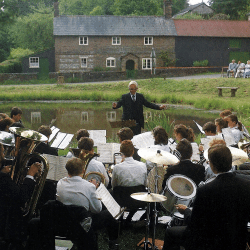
[179,190]
[176,220]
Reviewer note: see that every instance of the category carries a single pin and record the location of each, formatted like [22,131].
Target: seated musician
[12,198]
[220,212]
[5,124]
[220,123]
[129,176]
[79,134]
[127,134]
[44,147]
[235,126]
[160,143]
[185,167]
[87,149]
[16,115]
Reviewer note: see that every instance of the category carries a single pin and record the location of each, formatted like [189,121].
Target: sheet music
[143,140]
[57,168]
[207,140]
[98,136]
[228,136]
[172,144]
[199,127]
[65,142]
[196,153]
[109,202]
[55,130]
[62,140]
[107,151]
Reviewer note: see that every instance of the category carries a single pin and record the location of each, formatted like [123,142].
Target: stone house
[118,43]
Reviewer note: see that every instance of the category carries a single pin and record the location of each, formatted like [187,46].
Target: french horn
[26,142]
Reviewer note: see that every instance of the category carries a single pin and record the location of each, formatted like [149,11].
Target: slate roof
[113,26]
[212,28]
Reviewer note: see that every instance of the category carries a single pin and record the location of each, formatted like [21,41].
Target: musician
[16,114]
[220,123]
[79,134]
[235,126]
[129,172]
[44,147]
[132,104]
[127,134]
[220,212]
[5,124]
[181,131]
[12,199]
[87,146]
[160,142]
[185,167]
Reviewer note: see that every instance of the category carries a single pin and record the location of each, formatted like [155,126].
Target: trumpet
[26,142]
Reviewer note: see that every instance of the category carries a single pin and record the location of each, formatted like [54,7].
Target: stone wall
[114,75]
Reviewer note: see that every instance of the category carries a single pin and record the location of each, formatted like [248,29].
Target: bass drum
[179,190]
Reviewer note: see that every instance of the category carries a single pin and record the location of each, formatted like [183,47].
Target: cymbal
[157,156]
[238,155]
[149,197]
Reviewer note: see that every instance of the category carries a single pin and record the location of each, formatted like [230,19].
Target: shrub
[11,66]
[19,53]
[203,63]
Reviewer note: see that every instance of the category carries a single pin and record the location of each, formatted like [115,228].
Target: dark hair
[234,118]
[15,111]
[209,127]
[45,130]
[186,132]
[86,143]
[160,135]
[81,133]
[17,125]
[3,116]
[220,157]
[127,148]
[221,123]
[225,113]
[185,149]
[74,166]
[125,134]
[4,123]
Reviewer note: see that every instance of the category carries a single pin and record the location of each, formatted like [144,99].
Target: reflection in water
[97,115]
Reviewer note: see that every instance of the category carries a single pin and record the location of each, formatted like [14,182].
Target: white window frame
[116,40]
[83,40]
[35,117]
[147,40]
[110,62]
[111,116]
[84,117]
[145,62]
[81,61]
[34,62]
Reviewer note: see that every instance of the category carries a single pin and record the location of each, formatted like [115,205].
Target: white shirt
[129,173]
[97,166]
[77,191]
[237,134]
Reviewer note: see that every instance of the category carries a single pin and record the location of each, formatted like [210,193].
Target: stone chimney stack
[167,9]
[56,9]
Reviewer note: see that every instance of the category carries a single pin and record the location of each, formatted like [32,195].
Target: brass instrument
[26,142]
[243,145]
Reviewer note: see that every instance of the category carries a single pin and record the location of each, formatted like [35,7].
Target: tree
[34,31]
[233,8]
[178,5]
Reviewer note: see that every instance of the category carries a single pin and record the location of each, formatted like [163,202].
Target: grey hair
[133,83]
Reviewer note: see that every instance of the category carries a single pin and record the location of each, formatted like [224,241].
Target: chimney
[56,9]
[167,9]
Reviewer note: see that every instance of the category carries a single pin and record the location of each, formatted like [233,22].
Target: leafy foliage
[19,53]
[178,5]
[200,63]
[167,60]
[190,16]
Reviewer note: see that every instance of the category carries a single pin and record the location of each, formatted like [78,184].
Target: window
[116,40]
[110,62]
[83,62]
[146,63]
[34,62]
[235,43]
[111,116]
[83,40]
[35,117]
[148,40]
[84,117]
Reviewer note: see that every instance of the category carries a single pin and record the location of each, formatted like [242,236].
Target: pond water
[70,117]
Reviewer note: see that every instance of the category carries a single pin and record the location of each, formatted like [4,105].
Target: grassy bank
[200,93]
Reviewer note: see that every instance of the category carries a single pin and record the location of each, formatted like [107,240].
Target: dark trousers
[174,238]
[137,129]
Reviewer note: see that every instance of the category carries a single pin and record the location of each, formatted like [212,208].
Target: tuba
[26,142]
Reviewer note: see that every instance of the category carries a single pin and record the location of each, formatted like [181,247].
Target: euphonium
[24,153]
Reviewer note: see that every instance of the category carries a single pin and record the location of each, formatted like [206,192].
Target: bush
[11,66]
[203,63]
[19,53]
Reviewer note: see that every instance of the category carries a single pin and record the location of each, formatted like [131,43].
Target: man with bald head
[132,104]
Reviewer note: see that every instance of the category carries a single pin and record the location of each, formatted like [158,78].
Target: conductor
[132,104]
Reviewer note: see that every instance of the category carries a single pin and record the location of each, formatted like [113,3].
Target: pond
[72,116]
